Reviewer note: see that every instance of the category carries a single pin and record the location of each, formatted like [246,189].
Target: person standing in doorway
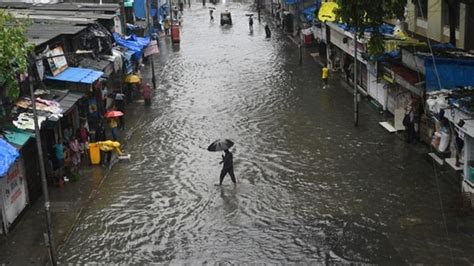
[325,76]
[228,167]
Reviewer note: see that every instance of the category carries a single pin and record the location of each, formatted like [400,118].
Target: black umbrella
[220,145]
[249,15]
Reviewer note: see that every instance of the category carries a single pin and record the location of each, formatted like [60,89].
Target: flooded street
[312,187]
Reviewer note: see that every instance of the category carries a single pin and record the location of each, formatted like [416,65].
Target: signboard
[57,63]
[388,74]
[151,49]
[13,187]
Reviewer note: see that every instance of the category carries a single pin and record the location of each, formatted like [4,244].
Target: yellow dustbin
[94,153]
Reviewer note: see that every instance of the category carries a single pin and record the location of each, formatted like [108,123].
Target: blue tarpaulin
[133,43]
[291,2]
[384,28]
[78,75]
[309,12]
[452,73]
[8,155]
[139,8]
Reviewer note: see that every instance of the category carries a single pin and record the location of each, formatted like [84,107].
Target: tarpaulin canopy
[291,2]
[8,155]
[78,75]
[452,73]
[133,43]
[309,12]
[139,8]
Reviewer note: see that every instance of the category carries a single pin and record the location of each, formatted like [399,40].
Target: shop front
[13,186]
[341,55]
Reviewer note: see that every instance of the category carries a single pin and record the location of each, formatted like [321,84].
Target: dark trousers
[411,134]
[224,172]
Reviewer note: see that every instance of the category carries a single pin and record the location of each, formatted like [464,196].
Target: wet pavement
[312,187]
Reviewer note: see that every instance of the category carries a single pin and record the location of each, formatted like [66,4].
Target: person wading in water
[228,167]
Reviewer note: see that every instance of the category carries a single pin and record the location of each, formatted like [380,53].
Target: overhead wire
[435,171]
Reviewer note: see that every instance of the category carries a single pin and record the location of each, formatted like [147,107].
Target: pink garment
[76,151]
[147,92]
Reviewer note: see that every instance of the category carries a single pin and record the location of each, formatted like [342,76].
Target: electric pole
[356,94]
[258,10]
[44,182]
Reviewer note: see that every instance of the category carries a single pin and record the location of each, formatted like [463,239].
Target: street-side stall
[13,187]
[453,110]
[25,143]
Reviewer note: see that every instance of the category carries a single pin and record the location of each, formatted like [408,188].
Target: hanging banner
[13,187]
[152,48]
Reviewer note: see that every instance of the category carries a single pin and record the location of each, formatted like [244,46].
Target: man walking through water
[228,167]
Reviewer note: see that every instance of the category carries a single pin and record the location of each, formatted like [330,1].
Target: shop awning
[77,75]
[16,137]
[70,100]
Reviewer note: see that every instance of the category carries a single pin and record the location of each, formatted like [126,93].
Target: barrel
[94,153]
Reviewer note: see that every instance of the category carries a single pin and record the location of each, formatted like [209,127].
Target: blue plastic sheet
[452,73]
[132,43]
[139,8]
[384,28]
[309,12]
[8,155]
[77,75]
[291,2]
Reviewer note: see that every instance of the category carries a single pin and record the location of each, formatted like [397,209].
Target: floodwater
[312,187]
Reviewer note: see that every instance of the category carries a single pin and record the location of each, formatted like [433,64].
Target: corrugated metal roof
[39,33]
[95,64]
[69,100]
[77,75]
[63,6]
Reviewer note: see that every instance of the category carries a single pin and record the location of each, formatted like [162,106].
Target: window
[421,7]
[456,7]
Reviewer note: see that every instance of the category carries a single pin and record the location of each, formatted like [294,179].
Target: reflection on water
[311,186]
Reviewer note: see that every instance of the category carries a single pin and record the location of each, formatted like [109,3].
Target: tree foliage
[14,51]
[361,14]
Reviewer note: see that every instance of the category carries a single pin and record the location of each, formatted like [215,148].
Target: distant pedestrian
[75,151]
[325,76]
[268,33]
[228,167]
[175,12]
[120,106]
[251,24]
[211,11]
[59,155]
[82,135]
[147,94]
[100,132]
[167,26]
[113,125]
